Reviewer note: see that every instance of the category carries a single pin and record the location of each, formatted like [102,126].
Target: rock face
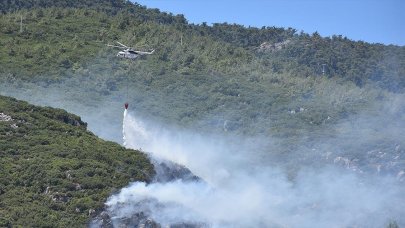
[5,118]
[167,171]
[272,47]
[388,161]
[103,220]
[139,220]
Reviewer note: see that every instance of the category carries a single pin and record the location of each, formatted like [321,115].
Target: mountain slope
[55,173]
[53,41]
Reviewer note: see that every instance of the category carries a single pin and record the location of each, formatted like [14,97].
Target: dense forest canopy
[55,173]
[220,47]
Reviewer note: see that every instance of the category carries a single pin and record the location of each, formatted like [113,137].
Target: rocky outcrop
[5,118]
[140,220]
[272,47]
[385,161]
[167,171]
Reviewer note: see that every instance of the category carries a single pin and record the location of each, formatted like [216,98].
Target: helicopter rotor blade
[122,44]
[109,45]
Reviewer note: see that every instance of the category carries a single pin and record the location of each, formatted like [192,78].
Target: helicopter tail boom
[145,52]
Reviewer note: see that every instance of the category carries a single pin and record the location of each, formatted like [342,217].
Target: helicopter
[129,52]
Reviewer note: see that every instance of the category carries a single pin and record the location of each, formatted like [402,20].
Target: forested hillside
[55,173]
[224,76]
[52,39]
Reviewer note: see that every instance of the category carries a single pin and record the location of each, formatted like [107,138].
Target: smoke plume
[235,190]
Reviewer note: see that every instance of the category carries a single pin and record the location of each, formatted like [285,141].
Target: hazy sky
[375,21]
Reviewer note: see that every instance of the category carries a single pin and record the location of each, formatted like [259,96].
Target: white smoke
[207,157]
[236,193]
